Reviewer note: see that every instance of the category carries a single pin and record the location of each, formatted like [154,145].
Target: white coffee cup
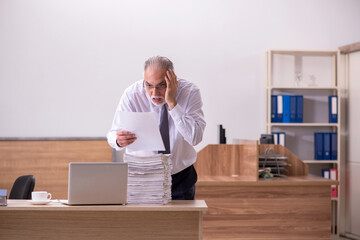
[40,196]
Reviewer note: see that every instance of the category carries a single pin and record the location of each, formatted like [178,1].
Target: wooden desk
[279,208]
[244,206]
[176,220]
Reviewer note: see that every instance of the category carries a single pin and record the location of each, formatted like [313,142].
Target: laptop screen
[97,183]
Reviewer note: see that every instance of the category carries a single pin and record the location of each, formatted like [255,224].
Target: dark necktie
[164,129]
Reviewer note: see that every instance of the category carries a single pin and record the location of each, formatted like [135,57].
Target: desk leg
[200,225]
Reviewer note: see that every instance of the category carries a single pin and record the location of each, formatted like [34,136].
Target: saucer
[39,202]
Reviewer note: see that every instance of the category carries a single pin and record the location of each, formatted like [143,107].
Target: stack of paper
[149,179]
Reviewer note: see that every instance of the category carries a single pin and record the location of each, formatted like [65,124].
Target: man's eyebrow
[162,83]
[148,83]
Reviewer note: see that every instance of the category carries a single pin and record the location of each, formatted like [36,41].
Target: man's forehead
[154,76]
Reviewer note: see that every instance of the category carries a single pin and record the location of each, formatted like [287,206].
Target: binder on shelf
[318,141]
[280,113]
[276,138]
[282,138]
[326,173]
[293,112]
[327,146]
[334,188]
[273,108]
[333,109]
[299,108]
[333,146]
[333,175]
[279,138]
[286,108]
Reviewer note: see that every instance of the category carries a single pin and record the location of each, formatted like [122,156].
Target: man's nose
[156,91]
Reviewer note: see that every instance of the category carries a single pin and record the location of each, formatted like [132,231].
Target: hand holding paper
[145,128]
[125,138]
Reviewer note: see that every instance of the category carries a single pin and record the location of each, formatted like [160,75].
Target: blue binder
[286,108]
[327,146]
[333,146]
[273,108]
[318,148]
[326,173]
[293,109]
[299,108]
[280,109]
[333,109]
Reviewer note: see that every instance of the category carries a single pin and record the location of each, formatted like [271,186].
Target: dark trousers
[183,184]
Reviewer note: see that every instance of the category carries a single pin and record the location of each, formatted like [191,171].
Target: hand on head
[125,138]
[172,85]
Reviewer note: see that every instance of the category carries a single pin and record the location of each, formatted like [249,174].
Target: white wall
[64,64]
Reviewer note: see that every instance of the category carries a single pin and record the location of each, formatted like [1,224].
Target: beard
[158,104]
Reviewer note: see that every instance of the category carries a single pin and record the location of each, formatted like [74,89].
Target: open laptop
[97,183]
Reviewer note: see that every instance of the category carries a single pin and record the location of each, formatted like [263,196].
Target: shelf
[320,161]
[303,124]
[302,88]
[305,53]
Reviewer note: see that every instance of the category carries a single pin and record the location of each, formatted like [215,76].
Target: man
[162,92]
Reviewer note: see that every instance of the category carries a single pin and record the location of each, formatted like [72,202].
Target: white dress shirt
[186,120]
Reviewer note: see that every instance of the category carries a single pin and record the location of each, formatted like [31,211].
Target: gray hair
[159,62]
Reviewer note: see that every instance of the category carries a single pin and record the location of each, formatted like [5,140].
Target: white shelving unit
[312,74]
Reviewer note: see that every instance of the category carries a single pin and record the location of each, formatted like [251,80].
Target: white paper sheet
[144,125]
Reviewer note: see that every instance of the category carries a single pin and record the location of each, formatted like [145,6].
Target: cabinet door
[353,160]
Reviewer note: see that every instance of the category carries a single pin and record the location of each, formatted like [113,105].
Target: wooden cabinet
[48,161]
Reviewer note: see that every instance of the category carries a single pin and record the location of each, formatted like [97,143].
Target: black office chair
[22,188]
